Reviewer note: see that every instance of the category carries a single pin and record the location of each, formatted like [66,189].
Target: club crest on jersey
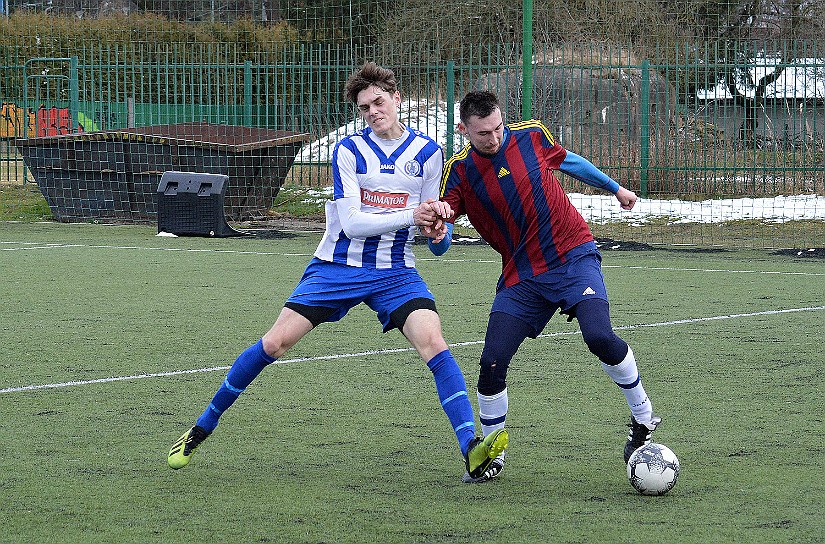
[413,168]
[384,200]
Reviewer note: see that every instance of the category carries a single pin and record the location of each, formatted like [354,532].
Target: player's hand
[441,209]
[437,234]
[430,215]
[626,198]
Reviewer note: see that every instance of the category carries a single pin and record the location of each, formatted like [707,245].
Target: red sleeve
[452,190]
[553,152]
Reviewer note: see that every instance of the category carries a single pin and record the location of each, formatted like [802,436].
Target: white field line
[33,245]
[703,270]
[396,350]
[27,246]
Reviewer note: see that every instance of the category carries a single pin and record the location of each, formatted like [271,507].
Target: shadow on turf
[808,253]
[268,234]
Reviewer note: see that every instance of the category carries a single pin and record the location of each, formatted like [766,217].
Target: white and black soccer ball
[653,469]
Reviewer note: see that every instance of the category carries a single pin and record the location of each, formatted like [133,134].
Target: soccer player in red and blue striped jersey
[504,182]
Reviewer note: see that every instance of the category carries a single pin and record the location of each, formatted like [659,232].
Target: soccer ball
[653,469]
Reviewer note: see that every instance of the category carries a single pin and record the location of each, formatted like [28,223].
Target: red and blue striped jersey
[515,202]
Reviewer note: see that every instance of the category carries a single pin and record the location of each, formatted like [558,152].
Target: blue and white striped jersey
[387,176]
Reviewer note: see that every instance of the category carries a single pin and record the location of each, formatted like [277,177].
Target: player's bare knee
[278,341]
[426,338]
[274,345]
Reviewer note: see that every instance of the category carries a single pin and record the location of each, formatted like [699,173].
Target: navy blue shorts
[535,300]
[341,287]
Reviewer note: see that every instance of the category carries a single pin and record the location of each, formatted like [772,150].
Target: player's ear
[461,128]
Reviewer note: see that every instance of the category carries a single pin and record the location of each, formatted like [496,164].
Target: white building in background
[793,110]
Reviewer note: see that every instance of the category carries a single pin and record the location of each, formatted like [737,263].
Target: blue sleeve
[584,170]
[441,247]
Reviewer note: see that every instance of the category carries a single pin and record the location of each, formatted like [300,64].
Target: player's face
[380,110]
[485,133]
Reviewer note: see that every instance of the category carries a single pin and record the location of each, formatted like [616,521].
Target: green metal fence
[685,122]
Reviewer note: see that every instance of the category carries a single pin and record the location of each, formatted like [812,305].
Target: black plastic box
[192,204]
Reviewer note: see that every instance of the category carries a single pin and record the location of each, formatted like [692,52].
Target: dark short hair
[478,103]
[367,75]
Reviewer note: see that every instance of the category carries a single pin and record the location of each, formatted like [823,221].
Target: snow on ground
[598,209]
[780,209]
[432,120]
[429,119]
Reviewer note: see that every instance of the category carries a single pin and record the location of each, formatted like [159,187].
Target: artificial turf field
[114,341]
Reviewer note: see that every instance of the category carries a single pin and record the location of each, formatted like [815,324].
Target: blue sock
[246,368]
[452,391]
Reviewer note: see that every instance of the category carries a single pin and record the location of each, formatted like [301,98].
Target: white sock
[626,376]
[492,411]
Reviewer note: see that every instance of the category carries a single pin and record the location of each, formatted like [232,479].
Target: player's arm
[359,224]
[437,213]
[449,193]
[428,216]
[347,200]
[441,247]
[583,170]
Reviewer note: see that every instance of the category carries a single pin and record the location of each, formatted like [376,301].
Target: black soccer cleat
[639,435]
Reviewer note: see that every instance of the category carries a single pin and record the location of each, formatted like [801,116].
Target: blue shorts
[340,288]
[536,299]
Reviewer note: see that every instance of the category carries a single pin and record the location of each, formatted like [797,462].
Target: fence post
[450,107]
[644,132]
[74,93]
[247,93]
[527,60]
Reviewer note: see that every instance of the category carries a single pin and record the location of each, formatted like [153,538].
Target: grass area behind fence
[345,442]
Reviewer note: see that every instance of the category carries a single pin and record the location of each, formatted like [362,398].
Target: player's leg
[402,300]
[505,333]
[423,329]
[518,312]
[288,329]
[418,320]
[618,362]
[309,305]
[421,325]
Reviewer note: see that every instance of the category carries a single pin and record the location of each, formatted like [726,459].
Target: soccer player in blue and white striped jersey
[386,183]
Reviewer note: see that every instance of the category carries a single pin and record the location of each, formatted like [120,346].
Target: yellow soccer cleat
[482,453]
[184,448]
[495,468]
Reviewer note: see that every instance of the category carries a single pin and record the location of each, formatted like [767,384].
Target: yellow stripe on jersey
[533,123]
[461,155]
